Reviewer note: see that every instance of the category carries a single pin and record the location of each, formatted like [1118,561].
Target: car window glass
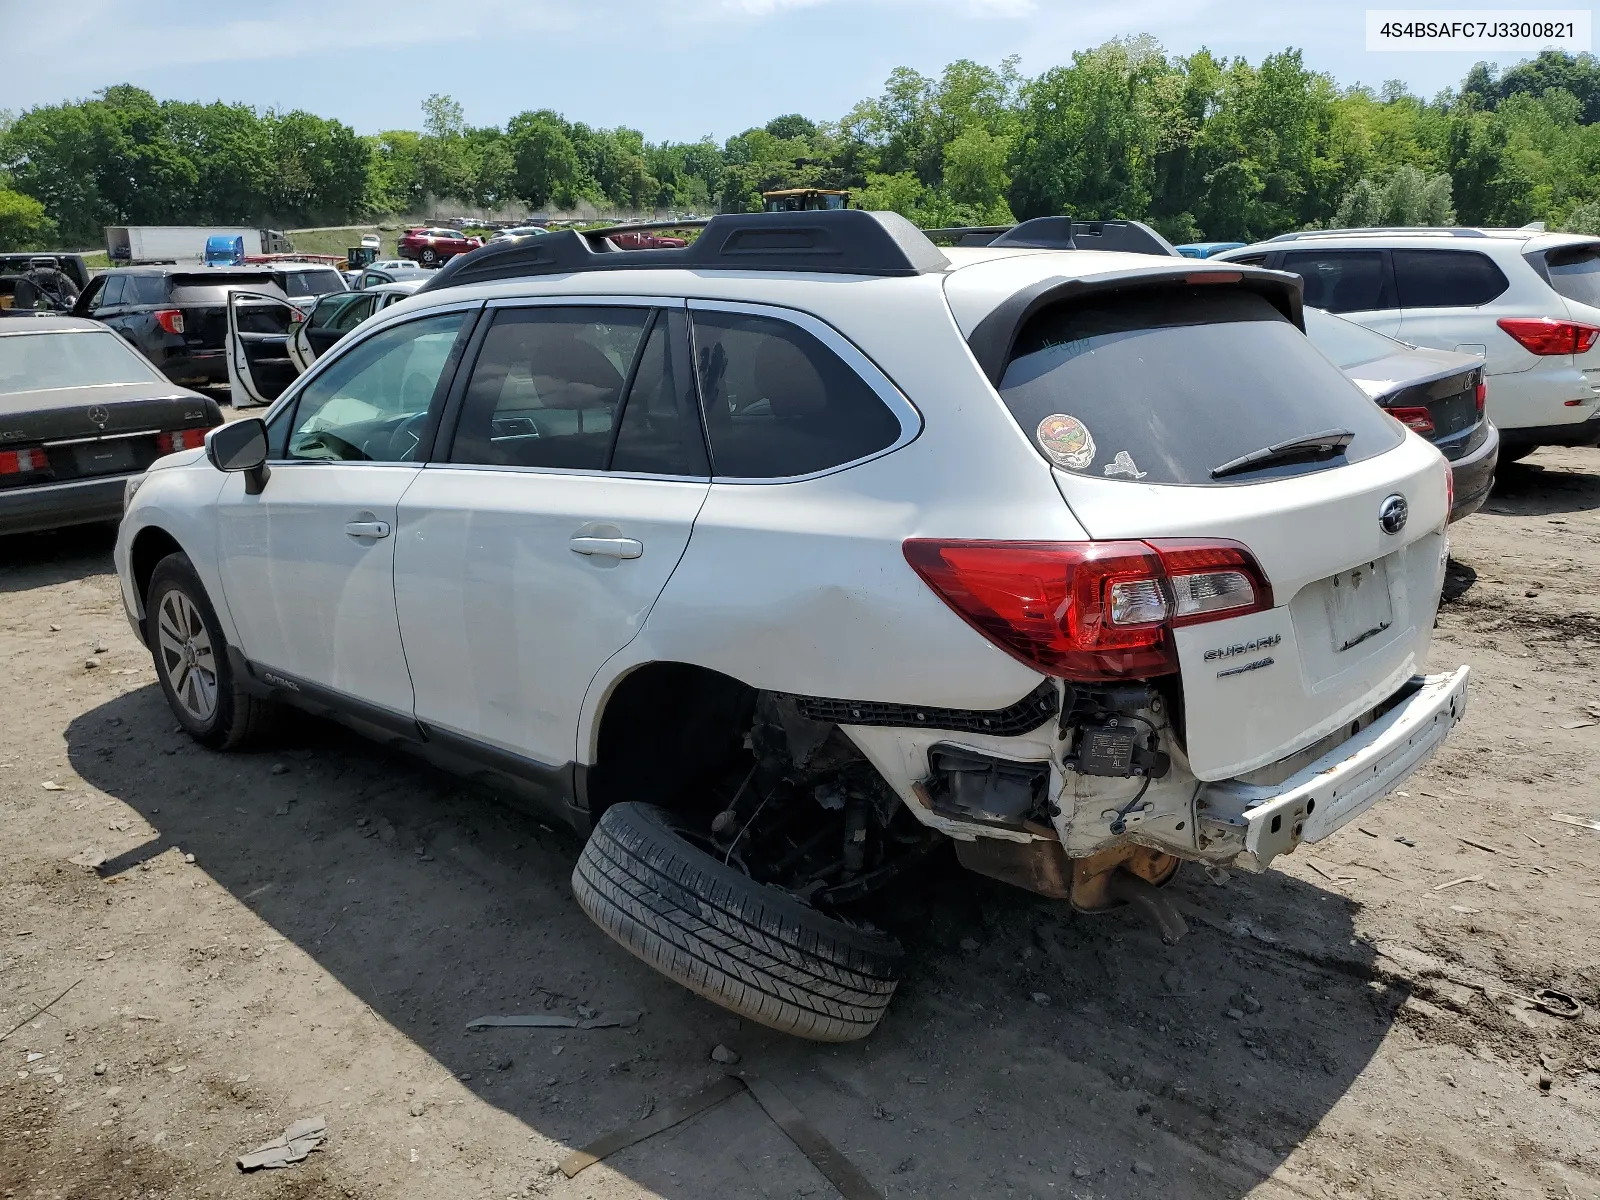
[31,362]
[1345,343]
[144,289]
[1253,260]
[1342,280]
[372,403]
[1575,273]
[1446,278]
[660,429]
[90,298]
[1163,385]
[545,389]
[780,403]
[112,296]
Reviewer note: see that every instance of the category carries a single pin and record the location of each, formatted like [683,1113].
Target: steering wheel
[407,436]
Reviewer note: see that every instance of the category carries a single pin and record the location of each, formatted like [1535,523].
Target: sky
[677,71]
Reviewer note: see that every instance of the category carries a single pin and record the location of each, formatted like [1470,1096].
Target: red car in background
[435,247]
[643,240]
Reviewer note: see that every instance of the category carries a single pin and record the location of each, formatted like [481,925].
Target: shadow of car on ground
[1027,1048]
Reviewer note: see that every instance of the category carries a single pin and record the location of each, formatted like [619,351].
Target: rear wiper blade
[1311,445]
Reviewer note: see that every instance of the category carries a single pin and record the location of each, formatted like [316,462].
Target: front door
[329,320]
[537,548]
[308,563]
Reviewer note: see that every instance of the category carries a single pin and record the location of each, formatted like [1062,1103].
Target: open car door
[259,366]
[332,317]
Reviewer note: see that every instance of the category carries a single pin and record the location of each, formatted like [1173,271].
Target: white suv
[1525,301]
[777,562]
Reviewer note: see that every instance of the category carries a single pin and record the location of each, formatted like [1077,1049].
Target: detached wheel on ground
[750,948]
[192,664]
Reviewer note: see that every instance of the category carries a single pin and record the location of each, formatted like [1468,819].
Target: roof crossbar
[827,241]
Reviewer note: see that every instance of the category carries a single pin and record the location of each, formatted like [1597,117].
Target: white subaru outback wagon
[777,562]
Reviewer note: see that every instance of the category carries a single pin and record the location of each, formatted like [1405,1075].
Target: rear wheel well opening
[667,733]
[788,800]
[150,546]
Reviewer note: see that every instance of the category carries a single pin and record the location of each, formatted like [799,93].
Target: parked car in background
[391,270]
[771,581]
[643,239]
[1438,393]
[13,267]
[432,247]
[371,239]
[41,282]
[334,316]
[81,412]
[177,318]
[1525,301]
[1205,249]
[501,235]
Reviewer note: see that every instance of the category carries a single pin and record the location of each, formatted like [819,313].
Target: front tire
[750,948]
[191,657]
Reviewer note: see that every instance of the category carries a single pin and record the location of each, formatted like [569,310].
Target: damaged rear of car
[1221,600]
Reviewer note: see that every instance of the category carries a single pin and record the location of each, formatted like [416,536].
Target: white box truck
[127,244]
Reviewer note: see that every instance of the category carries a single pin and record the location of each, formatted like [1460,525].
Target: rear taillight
[1091,611]
[1419,419]
[180,439]
[1542,335]
[21,462]
[1449,490]
[1483,393]
[170,319]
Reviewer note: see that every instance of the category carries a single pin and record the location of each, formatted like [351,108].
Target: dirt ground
[307,932]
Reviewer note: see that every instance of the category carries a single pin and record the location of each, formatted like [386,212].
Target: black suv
[178,317]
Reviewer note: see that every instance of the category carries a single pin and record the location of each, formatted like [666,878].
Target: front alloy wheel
[187,657]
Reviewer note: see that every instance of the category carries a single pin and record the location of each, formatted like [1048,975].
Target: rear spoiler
[1062,233]
[994,338]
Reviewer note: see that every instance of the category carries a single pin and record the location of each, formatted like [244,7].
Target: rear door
[259,364]
[1442,294]
[537,549]
[1356,284]
[1136,400]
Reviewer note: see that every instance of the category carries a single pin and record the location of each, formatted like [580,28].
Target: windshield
[1164,385]
[311,283]
[38,362]
[1344,342]
[1575,273]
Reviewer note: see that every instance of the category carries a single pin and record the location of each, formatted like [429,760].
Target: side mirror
[241,446]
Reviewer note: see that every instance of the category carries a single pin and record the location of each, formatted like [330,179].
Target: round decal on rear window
[1066,441]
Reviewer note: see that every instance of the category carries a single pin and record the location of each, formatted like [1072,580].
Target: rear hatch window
[1165,385]
[310,283]
[1575,273]
[213,286]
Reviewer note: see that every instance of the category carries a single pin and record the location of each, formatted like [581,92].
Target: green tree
[23,222]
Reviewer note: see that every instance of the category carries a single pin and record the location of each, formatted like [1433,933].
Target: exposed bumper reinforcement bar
[1342,784]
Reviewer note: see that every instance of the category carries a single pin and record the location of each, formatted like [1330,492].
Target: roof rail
[1450,230]
[1064,233]
[845,241]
